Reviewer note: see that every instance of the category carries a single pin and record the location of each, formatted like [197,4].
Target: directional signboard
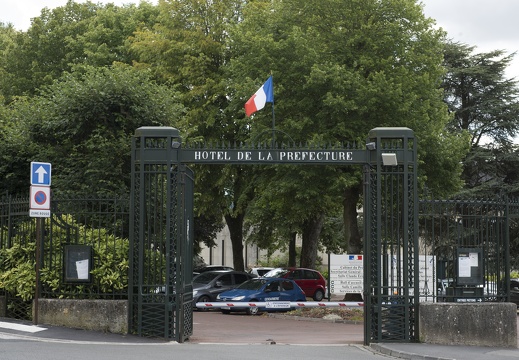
[40,173]
[40,189]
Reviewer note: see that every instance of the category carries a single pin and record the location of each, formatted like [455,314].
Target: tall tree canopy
[341,69]
[69,37]
[83,125]
[484,105]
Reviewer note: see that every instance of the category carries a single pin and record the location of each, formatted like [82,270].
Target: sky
[486,24]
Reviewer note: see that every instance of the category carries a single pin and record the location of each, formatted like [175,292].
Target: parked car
[213,268]
[260,271]
[310,281]
[514,291]
[262,290]
[209,284]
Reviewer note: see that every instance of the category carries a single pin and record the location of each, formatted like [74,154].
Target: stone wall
[97,315]
[480,324]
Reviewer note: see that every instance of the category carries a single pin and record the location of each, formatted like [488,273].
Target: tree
[341,69]
[188,50]
[68,37]
[484,105]
[83,124]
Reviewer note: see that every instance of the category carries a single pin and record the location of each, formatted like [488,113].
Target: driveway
[237,328]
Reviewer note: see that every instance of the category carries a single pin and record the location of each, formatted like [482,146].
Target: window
[225,280]
[239,278]
[298,274]
[287,285]
[311,275]
[274,286]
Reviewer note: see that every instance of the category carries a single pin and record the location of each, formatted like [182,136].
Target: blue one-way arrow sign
[40,173]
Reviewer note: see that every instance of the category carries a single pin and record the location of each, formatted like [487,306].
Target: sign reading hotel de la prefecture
[273,156]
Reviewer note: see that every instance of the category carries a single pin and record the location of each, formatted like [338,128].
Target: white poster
[82,269]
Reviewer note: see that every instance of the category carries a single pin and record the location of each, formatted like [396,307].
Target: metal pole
[38,266]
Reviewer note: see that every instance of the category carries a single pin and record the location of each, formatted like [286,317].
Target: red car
[310,281]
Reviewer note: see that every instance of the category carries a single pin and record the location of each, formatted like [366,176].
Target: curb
[382,349]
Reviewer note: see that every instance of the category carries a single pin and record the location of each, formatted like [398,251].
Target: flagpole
[273,117]
[273,127]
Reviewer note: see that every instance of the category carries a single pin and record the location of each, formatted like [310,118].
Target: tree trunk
[311,232]
[292,255]
[352,237]
[235,225]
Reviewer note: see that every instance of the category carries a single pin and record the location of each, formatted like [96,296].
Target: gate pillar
[161,237]
[391,272]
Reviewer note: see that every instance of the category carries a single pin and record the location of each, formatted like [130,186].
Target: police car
[272,290]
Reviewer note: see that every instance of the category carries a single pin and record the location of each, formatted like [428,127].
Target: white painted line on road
[18,327]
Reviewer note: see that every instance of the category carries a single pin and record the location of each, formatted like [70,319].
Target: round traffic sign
[40,197]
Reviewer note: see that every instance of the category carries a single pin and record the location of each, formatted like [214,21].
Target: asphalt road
[228,337]
[216,336]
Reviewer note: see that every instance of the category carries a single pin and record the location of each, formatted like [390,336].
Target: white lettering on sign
[272,298]
[272,156]
[39,213]
[212,155]
[315,156]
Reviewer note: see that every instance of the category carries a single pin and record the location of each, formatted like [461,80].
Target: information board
[347,274]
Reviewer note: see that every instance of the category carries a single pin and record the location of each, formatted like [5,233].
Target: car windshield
[253,284]
[205,278]
[276,273]
[262,272]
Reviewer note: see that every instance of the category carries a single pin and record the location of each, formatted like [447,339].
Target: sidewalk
[417,351]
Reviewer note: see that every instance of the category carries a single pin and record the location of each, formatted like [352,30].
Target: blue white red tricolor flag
[264,95]
[354,257]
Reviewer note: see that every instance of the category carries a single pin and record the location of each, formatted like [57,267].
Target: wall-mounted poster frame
[77,264]
[469,266]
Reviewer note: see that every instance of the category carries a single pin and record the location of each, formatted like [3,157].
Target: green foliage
[85,76]
[66,38]
[109,270]
[17,270]
[83,124]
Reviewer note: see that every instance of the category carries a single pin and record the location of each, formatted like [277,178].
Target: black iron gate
[160,277]
[391,238]
[161,240]
[476,232]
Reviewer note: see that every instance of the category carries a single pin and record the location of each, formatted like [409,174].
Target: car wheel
[225,311]
[203,298]
[319,295]
[253,310]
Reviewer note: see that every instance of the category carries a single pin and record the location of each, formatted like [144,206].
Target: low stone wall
[480,324]
[98,315]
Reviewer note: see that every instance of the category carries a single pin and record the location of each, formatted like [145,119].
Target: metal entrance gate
[391,291]
[161,239]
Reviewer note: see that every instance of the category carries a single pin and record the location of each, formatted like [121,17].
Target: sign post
[39,208]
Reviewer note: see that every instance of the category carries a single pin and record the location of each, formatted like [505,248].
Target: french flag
[264,95]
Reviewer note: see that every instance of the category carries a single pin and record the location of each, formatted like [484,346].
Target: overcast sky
[487,24]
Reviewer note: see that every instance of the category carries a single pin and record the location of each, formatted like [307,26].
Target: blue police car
[272,290]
